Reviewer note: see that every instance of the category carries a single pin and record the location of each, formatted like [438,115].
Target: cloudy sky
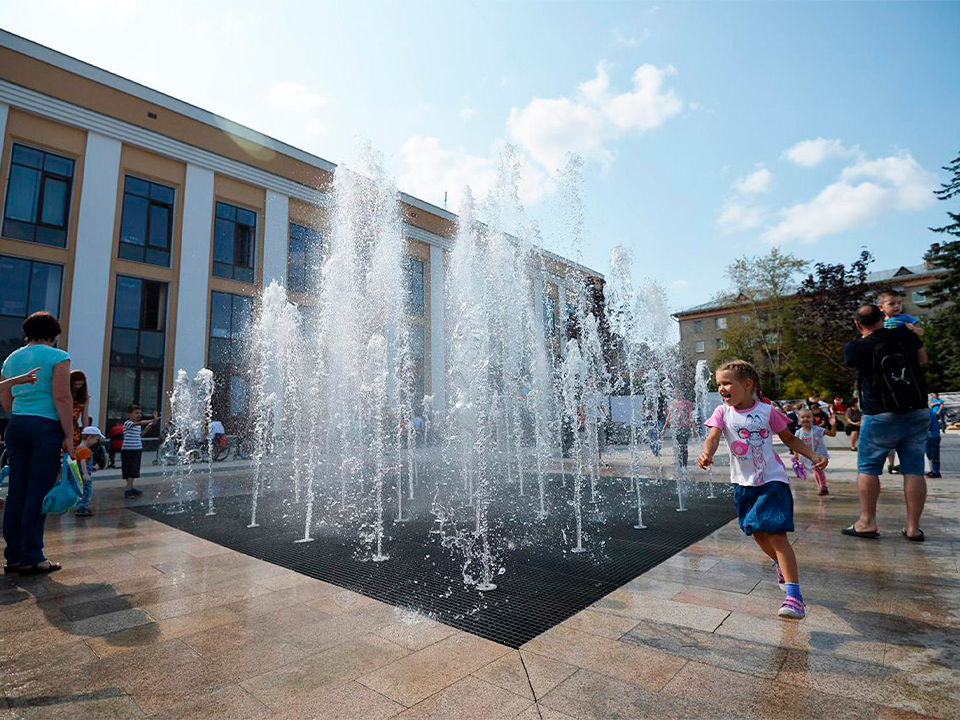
[708,130]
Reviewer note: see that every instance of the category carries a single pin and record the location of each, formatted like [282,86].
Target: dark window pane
[149,395]
[161,193]
[228,212]
[243,252]
[154,306]
[18,230]
[246,217]
[45,288]
[23,194]
[27,156]
[131,252]
[159,226]
[157,257]
[11,335]
[223,270]
[219,351]
[126,308]
[54,211]
[220,315]
[151,349]
[123,349]
[238,395]
[133,225]
[58,165]
[120,392]
[14,276]
[136,186]
[50,236]
[415,286]
[243,274]
[242,315]
[223,241]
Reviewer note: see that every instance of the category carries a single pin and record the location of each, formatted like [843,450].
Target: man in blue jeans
[893,399]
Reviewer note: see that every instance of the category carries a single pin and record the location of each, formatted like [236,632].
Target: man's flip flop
[918,538]
[853,532]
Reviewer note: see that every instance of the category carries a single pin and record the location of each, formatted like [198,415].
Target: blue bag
[64,495]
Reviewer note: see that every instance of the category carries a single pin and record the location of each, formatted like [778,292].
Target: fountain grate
[543,585]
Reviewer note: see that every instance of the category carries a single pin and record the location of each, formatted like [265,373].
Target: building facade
[149,226]
[701,327]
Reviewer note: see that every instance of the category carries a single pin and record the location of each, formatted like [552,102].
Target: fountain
[703,410]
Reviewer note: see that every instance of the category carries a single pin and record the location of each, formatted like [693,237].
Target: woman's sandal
[914,538]
[10,569]
[37,570]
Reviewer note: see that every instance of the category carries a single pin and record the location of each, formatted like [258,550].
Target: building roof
[873,278]
[56,58]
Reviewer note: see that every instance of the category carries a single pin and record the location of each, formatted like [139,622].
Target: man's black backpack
[895,369]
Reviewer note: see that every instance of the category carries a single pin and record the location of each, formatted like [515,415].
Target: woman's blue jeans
[34,452]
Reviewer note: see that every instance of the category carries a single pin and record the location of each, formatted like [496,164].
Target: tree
[762,288]
[823,322]
[943,335]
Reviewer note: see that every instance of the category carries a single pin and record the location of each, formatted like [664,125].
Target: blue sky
[709,130]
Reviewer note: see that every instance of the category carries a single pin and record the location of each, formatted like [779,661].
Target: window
[38,196]
[549,317]
[234,242]
[918,297]
[771,338]
[413,271]
[418,355]
[146,222]
[744,318]
[26,286]
[698,326]
[137,346]
[698,346]
[304,259]
[230,318]
[721,344]
[720,323]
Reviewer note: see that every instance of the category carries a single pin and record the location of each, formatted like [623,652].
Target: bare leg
[915,492]
[763,540]
[854,437]
[785,556]
[868,487]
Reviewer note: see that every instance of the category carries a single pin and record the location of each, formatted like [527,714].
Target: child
[763,499]
[891,303]
[132,449]
[89,439]
[812,436]
[933,441]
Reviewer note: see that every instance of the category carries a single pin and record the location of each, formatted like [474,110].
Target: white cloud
[891,183]
[736,215]
[548,128]
[631,40]
[295,97]
[467,112]
[810,153]
[755,183]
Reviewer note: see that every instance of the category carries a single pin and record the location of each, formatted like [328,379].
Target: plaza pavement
[148,621]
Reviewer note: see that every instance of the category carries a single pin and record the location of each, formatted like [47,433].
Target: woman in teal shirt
[41,426]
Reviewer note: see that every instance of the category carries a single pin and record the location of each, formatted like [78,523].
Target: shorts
[130,463]
[883,433]
[766,508]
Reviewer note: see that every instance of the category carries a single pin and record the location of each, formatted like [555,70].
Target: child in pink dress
[763,498]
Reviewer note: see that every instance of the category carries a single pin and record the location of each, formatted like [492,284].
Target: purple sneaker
[780,581]
[792,608]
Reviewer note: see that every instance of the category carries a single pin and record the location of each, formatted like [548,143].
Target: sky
[708,131]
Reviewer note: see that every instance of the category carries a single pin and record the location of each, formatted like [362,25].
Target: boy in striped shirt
[132,448]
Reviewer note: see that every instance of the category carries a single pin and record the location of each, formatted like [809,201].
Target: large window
[137,346]
[698,326]
[146,223]
[413,271]
[698,346]
[26,286]
[234,242]
[418,354]
[720,323]
[230,317]
[38,196]
[304,259]
[549,317]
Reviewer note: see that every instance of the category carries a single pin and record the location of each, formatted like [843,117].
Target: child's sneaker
[132,493]
[84,512]
[780,579]
[823,491]
[792,608]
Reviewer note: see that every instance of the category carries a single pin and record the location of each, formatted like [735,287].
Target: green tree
[762,288]
[943,327]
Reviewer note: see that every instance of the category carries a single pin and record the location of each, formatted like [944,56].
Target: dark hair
[81,395]
[889,292]
[41,326]
[868,316]
[132,407]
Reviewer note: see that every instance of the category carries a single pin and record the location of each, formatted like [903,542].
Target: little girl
[812,436]
[762,496]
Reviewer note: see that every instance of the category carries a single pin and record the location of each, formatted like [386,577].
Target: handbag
[64,495]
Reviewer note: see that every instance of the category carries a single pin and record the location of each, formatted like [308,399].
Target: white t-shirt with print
[814,440]
[749,435]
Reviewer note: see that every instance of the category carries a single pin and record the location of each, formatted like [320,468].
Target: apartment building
[149,226]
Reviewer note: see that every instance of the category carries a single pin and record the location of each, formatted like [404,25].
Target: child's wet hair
[742,370]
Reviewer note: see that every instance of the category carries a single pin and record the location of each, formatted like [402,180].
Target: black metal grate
[543,584]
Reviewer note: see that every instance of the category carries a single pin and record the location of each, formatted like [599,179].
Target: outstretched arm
[801,448]
[710,445]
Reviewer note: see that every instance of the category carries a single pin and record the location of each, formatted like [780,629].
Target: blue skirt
[766,508]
